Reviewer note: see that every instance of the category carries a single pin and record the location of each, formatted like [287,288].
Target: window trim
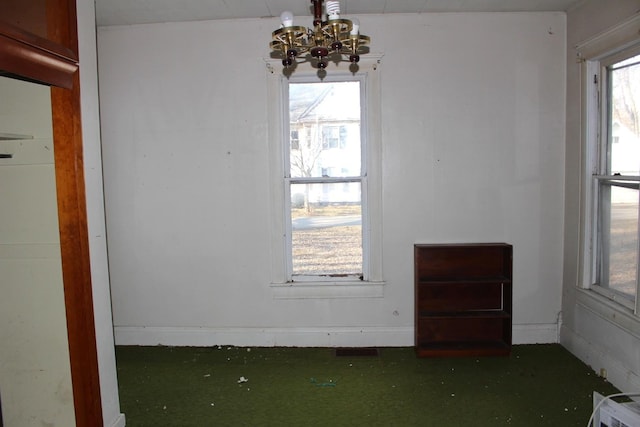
[595,54]
[372,285]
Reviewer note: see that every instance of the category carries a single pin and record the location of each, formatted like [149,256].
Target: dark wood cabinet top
[38,41]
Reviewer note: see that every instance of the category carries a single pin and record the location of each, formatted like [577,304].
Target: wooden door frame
[28,57]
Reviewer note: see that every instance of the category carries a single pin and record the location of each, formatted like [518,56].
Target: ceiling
[125,12]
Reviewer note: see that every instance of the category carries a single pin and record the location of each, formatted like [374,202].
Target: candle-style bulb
[355,29]
[286,18]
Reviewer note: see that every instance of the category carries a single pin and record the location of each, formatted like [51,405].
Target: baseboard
[266,337]
[538,333]
[119,421]
[301,337]
[600,358]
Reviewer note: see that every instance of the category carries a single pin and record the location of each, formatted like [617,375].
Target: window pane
[326,229]
[620,261]
[325,117]
[624,119]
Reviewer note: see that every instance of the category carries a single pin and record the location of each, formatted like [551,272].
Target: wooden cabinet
[38,41]
[463,299]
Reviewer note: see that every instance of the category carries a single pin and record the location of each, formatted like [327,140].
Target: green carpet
[538,385]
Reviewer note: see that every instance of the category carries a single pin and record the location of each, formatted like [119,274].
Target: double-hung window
[612,131]
[326,184]
[323,178]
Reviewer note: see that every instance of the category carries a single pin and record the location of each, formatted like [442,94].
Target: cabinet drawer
[439,297]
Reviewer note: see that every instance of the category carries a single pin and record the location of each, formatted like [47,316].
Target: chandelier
[333,38]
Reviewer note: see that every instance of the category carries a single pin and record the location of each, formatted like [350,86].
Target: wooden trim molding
[74,245]
[51,60]
[21,59]
[37,42]
[62,26]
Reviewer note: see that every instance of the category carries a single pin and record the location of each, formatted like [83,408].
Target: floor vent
[357,352]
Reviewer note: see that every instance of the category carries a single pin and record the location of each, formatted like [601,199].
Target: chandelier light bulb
[356,26]
[333,9]
[286,18]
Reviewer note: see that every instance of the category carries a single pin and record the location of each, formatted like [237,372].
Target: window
[334,137]
[618,178]
[613,157]
[324,221]
[326,192]
[295,140]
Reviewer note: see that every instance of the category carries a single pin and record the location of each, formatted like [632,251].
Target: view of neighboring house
[626,150]
[325,139]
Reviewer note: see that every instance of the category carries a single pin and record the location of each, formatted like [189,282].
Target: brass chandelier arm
[290,35]
[337,27]
[354,43]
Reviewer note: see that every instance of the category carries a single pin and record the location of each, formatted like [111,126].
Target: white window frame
[595,55]
[326,287]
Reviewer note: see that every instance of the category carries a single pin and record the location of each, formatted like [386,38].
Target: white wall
[95,214]
[35,375]
[473,125]
[597,332]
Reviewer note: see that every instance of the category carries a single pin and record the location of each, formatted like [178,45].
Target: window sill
[615,298]
[609,310]
[328,290]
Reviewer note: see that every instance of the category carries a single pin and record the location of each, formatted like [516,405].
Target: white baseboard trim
[538,333]
[600,358]
[266,337]
[119,421]
[401,336]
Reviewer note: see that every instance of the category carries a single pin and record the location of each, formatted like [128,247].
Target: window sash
[599,96]
[601,282]
[288,181]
